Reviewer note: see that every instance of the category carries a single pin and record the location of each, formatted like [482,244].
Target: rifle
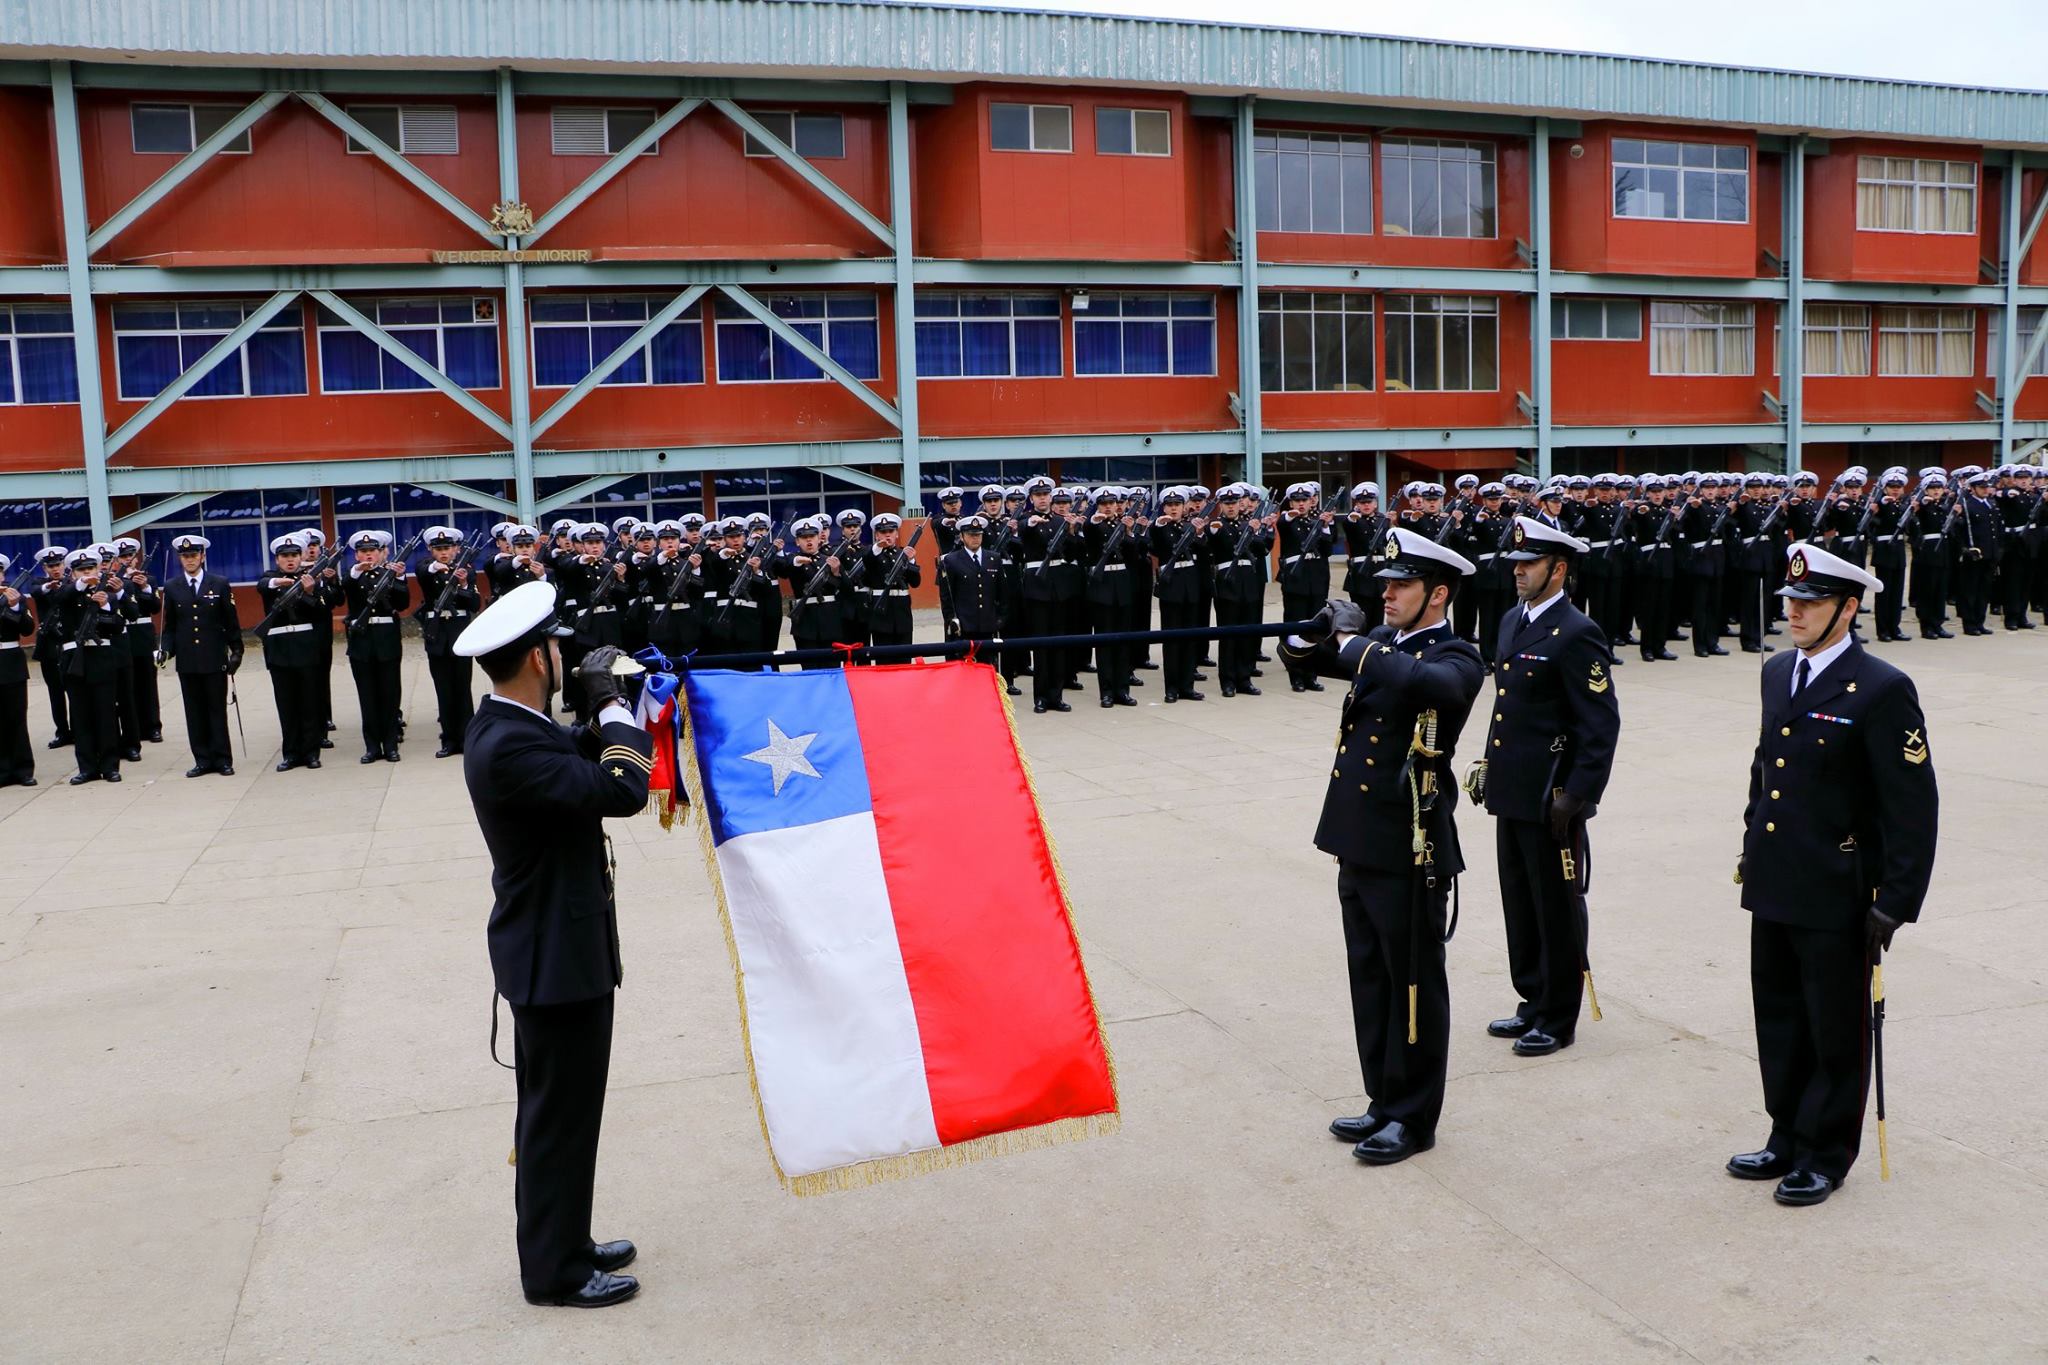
[744,579]
[688,571]
[895,574]
[1251,526]
[1110,543]
[1053,542]
[816,580]
[386,575]
[294,592]
[470,545]
[1187,536]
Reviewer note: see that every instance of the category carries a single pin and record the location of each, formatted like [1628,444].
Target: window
[1837,339]
[1436,189]
[811,136]
[841,325]
[1596,320]
[784,493]
[408,129]
[573,332]
[1700,182]
[587,130]
[1702,338]
[1133,132]
[976,336]
[37,361]
[28,524]
[1314,342]
[403,510]
[1442,343]
[175,129]
[650,497]
[2030,323]
[156,342]
[458,337]
[1312,182]
[1134,334]
[1902,194]
[1921,342]
[1031,128]
[1152,472]
[240,527]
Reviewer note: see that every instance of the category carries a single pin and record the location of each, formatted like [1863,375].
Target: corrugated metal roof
[945,43]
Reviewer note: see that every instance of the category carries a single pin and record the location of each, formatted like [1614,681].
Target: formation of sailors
[1670,559]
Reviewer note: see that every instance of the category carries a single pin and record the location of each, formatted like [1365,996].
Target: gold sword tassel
[1593,995]
[1884,1151]
[1411,1039]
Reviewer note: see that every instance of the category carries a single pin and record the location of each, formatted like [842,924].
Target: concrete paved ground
[249,1114]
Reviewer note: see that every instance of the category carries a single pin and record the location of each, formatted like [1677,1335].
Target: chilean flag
[911,988]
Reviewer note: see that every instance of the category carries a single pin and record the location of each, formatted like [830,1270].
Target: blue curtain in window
[605,340]
[6,370]
[146,364]
[857,346]
[789,363]
[986,348]
[1038,348]
[1144,347]
[743,353]
[349,363]
[224,380]
[679,353]
[362,499]
[277,362]
[471,356]
[396,375]
[561,356]
[1194,347]
[1098,346]
[49,370]
[239,552]
[938,349]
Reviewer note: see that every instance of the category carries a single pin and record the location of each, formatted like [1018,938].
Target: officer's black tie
[1799,679]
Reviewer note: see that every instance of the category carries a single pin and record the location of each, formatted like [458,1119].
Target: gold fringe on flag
[881,1170]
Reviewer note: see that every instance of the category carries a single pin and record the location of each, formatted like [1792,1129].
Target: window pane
[985,348]
[1485,353]
[1329,351]
[1113,132]
[348,362]
[1009,127]
[1297,349]
[277,362]
[1358,350]
[1628,149]
[1624,322]
[1038,348]
[821,135]
[743,352]
[1145,348]
[223,380]
[379,121]
[208,119]
[397,375]
[1152,132]
[679,353]
[1194,348]
[1326,194]
[471,356]
[621,126]
[1052,128]
[1098,346]
[1357,193]
[1428,371]
[561,355]
[1294,195]
[1271,378]
[938,349]
[605,340]
[856,346]
[1266,189]
[1397,215]
[161,127]
[1731,197]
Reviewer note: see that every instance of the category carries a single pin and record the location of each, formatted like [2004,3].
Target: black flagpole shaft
[960,648]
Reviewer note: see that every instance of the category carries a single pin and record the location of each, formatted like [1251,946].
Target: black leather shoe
[1264,657]
[1395,1141]
[1194,696]
[133,753]
[1073,687]
[114,776]
[287,765]
[156,736]
[1172,697]
[1108,702]
[371,756]
[1943,633]
[1514,1026]
[391,753]
[1258,673]
[1667,656]
[1356,1130]
[327,743]
[1038,708]
[59,742]
[1126,700]
[1763,1164]
[1206,662]
[26,782]
[1061,706]
[313,762]
[1537,1043]
[1804,1187]
[1201,677]
[1248,689]
[80,779]
[1015,690]
[1718,649]
[1149,665]
[330,727]
[445,752]
[1229,691]
[1752,649]
[226,770]
[1313,685]
[1296,685]
[613,1256]
[200,771]
[602,1290]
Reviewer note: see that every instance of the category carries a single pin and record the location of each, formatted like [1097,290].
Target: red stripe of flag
[1003,1012]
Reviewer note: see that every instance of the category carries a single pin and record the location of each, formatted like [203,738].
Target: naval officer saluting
[1837,851]
[542,794]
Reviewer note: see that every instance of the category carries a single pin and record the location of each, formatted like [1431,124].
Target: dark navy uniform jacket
[1555,716]
[1367,818]
[1841,797]
[200,629]
[542,793]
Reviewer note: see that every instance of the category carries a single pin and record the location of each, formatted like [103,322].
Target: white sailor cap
[757,521]
[668,527]
[1013,491]
[521,532]
[975,524]
[51,554]
[126,545]
[500,530]
[562,526]
[1298,490]
[370,540]
[289,542]
[1551,490]
[852,516]
[1855,473]
[1198,490]
[313,535]
[1895,477]
[1806,478]
[808,526]
[691,521]
[1409,555]
[622,523]
[1038,483]
[886,521]
[195,543]
[523,616]
[730,526]
[991,492]
[1413,488]
[1812,573]
[81,559]
[1493,490]
[1109,492]
[1533,539]
[950,493]
[1365,490]
[1058,495]
[642,530]
[590,530]
[1466,481]
[1175,493]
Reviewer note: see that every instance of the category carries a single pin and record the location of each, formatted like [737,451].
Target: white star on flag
[785,755]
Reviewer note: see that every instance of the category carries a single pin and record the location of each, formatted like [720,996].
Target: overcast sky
[1969,42]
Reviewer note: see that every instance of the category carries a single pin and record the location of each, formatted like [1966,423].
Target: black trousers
[323,678]
[1236,655]
[2017,575]
[1749,608]
[1707,620]
[1891,603]
[95,728]
[1811,989]
[127,707]
[148,706]
[1113,663]
[1296,606]
[1180,655]
[206,718]
[562,1056]
[300,725]
[1404,1080]
[377,700]
[1492,604]
[1973,584]
[455,695]
[1465,616]
[1546,926]
[1604,601]
[17,759]
[1930,589]
[1049,666]
[53,683]
[1653,614]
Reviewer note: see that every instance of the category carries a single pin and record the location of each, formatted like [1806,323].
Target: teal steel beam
[490,502]
[209,79]
[1245,188]
[115,281]
[412,175]
[810,174]
[620,354]
[155,512]
[1792,348]
[2011,377]
[1539,307]
[860,478]
[178,174]
[606,85]
[1665,286]
[26,73]
[1910,431]
[689,459]
[1380,116]
[33,280]
[575,492]
[844,377]
[200,368]
[2018,171]
[2025,369]
[85,332]
[1401,438]
[1925,295]
[1084,274]
[1649,435]
[520,390]
[605,174]
[676,274]
[406,356]
[1229,441]
[1429,279]
[906,293]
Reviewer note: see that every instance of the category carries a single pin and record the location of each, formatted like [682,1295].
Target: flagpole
[964,648]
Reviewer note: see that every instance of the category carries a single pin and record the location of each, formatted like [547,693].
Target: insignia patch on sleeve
[1597,681]
[1916,748]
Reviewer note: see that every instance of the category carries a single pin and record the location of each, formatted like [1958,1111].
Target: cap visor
[1807,594]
